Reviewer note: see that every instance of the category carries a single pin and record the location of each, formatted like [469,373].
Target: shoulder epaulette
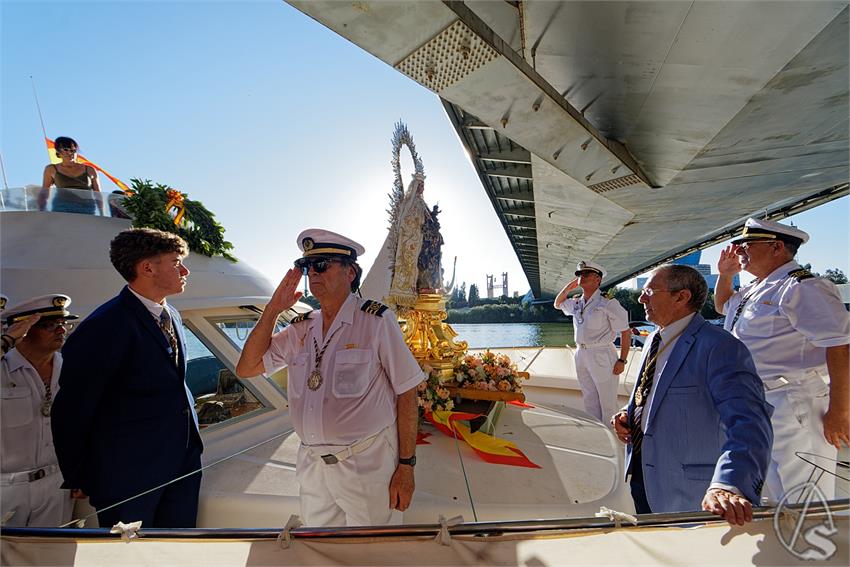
[801,274]
[299,318]
[373,307]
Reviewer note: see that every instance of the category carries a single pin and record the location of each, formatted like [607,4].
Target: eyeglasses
[69,150]
[745,246]
[53,325]
[649,292]
[319,265]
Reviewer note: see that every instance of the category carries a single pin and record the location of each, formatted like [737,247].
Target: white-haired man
[798,333]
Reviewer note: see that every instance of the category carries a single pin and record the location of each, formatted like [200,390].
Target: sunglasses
[53,325]
[319,265]
[69,150]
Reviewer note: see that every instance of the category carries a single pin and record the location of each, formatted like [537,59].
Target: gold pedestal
[429,338]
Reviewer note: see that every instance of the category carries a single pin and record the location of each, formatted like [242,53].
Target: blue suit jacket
[121,420]
[709,422]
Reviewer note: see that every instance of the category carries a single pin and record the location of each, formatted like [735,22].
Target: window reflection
[237,329]
[219,394]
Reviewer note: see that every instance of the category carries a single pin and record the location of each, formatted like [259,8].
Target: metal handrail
[481,529]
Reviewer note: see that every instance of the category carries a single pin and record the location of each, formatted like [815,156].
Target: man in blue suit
[697,424]
[124,419]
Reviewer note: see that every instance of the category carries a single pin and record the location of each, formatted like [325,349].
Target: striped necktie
[647,376]
[167,327]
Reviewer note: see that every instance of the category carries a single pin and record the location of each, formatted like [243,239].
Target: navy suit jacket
[121,420]
[709,422]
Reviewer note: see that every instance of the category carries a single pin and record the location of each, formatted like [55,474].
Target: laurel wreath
[161,207]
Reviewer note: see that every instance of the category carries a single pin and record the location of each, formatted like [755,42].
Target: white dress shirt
[669,336]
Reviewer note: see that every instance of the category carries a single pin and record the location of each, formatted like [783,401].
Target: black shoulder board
[299,318]
[373,307]
[801,274]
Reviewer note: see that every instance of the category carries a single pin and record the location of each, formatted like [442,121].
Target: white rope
[127,531]
[80,522]
[617,517]
[443,536]
[284,538]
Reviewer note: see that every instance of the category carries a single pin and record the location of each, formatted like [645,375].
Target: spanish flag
[54,158]
[491,449]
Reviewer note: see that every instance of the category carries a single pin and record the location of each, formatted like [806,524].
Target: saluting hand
[729,264]
[286,295]
[19,329]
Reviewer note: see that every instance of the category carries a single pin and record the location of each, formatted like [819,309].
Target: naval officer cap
[585,266]
[755,229]
[52,305]
[319,242]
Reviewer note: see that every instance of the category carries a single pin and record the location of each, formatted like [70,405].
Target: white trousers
[353,492]
[595,373]
[798,427]
[40,503]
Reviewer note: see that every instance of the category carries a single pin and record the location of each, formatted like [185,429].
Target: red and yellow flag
[490,448]
[54,158]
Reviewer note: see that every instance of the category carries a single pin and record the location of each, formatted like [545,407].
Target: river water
[483,335]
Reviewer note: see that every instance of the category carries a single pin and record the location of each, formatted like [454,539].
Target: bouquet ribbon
[175,202]
[488,447]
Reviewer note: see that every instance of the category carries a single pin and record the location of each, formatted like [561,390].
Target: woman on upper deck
[70,174]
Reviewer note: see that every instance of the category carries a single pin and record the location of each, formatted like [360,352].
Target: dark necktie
[168,328]
[647,375]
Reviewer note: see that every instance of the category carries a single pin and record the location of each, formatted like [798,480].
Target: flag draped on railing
[54,158]
[488,447]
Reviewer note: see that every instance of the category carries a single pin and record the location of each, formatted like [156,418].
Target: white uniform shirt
[597,321]
[27,439]
[788,323]
[366,365]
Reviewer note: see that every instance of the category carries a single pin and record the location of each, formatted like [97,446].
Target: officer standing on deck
[352,388]
[798,333]
[596,322]
[29,379]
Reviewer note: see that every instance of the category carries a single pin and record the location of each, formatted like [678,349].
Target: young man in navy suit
[124,419]
[697,425]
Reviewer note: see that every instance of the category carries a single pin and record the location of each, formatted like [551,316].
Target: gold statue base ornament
[429,337]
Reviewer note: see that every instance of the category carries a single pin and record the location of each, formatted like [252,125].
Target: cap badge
[2,303]
[582,265]
[59,301]
[308,244]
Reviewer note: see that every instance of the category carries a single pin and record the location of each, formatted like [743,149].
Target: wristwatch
[621,360]
[409,461]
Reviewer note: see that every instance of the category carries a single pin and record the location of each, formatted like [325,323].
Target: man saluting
[352,388]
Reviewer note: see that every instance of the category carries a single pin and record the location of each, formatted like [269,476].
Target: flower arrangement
[433,395]
[489,371]
[486,372]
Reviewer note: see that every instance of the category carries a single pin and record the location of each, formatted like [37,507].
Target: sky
[274,122]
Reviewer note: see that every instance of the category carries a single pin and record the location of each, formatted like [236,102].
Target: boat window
[79,201]
[237,329]
[219,394]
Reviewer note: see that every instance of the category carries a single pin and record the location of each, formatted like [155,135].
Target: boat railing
[482,529]
[77,201]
